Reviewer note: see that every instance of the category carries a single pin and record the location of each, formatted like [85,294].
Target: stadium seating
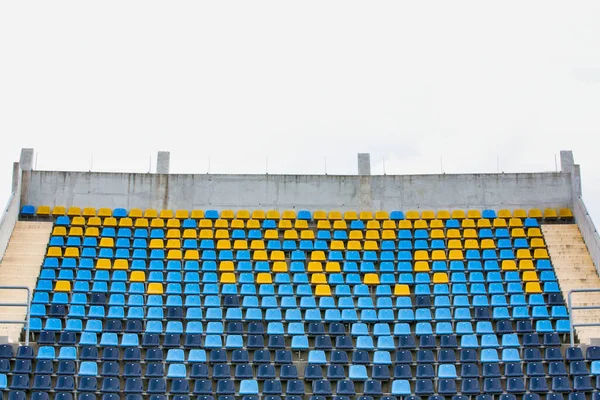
[248,304]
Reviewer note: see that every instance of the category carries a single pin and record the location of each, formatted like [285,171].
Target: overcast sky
[301,87]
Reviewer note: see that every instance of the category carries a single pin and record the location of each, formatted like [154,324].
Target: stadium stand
[274,304]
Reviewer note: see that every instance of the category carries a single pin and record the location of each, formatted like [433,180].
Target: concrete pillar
[15,177]
[566,161]
[26,161]
[162,162]
[364,164]
[576,181]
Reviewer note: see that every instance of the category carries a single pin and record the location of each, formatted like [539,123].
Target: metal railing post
[571,308]
[27,304]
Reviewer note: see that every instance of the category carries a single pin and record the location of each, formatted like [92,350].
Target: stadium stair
[575,269]
[21,267]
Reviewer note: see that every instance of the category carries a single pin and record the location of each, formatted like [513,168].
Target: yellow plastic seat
[137,276]
[314,266]
[453,234]
[540,254]
[93,221]
[221,223]
[141,223]
[318,278]
[504,214]
[240,244]
[455,244]
[257,244]
[515,223]
[455,255]
[371,245]
[271,234]
[150,213]
[243,214]
[438,234]
[227,277]
[389,224]
[337,245]
[317,255]
[474,214]
[412,215]
[519,213]
[517,233]
[301,224]
[103,212]
[91,231]
[307,235]
[537,243]
[333,266]
[172,223]
[534,232]
[533,287]
[401,290]
[440,255]
[226,265]
[373,224]
[59,211]
[436,224]
[221,234]
[530,276]
[388,234]
[405,224]
[91,212]
[509,265]
[458,214]
[277,255]
[484,223]
[155,288]
[62,286]
[273,214]
[284,224]
[125,222]
[43,211]
[79,221]
[280,266]
[205,223]
[335,215]
[319,215]
[427,215]
[472,244]
[421,255]
[535,213]
[260,255]
[523,254]
[372,235]
[173,234]
[182,214]
[290,234]
[258,214]
[366,215]
[174,254]
[191,255]
[323,290]
[440,277]
[156,244]
[381,215]
[443,215]
[550,213]
[157,223]
[468,223]
[223,244]
[74,211]
[135,213]
[526,265]
[340,225]
[189,234]
[264,277]
[288,214]
[166,214]
[356,235]
[565,213]
[107,242]
[488,244]
[323,224]
[421,266]
[197,214]
[237,224]
[59,231]
[420,224]
[76,231]
[103,263]
[354,245]
[121,264]
[371,279]
[72,252]
[227,214]
[499,223]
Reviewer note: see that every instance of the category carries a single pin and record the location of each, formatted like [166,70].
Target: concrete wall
[311,192]
[588,231]
[8,221]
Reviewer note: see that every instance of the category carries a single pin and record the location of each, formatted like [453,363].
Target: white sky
[473,83]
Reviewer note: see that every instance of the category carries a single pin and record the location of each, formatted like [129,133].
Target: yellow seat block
[224,244]
[273,214]
[59,231]
[453,234]
[141,223]
[110,221]
[455,244]
[517,233]
[356,235]
[354,245]
[509,265]
[92,221]
[62,286]
[488,244]
[421,255]
[290,234]
[535,213]
[288,214]
[427,214]
[405,224]
[227,277]
[72,252]
[534,232]
[530,276]
[373,224]
[440,277]
[515,223]
[43,210]
[205,223]
[301,224]
[137,276]
[335,215]
[174,255]
[350,215]
[226,266]
[484,223]
[523,254]
[59,210]
[455,255]
[257,244]
[420,224]
[103,263]
[314,266]
[258,214]
[519,213]
[388,234]
[550,213]
[307,234]
[388,224]
[174,234]
[280,266]
[499,223]
[371,279]
[436,224]
[107,242]
[472,244]
[366,215]
[468,223]
[504,213]
[443,214]
[150,213]
[264,277]
[381,215]
[277,255]
[412,215]
[323,224]
[221,234]
[91,212]
[317,255]
[537,243]
[155,288]
[337,245]
[458,214]
[104,212]
[172,223]
[240,244]
[318,278]
[74,211]
[158,223]
[565,213]
[319,215]
[221,223]
[323,290]
[284,224]
[237,224]
[156,244]
[189,234]
[197,214]
[474,214]
[271,234]
[440,255]
[526,265]
[166,214]
[533,287]
[540,254]
[333,266]
[174,243]
[259,255]
[227,214]
[191,255]
[371,245]
[438,234]
[76,231]
[91,232]
[136,213]
[54,252]
[121,264]
[243,214]
[401,290]
[182,214]
[421,266]
[124,222]
[340,225]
